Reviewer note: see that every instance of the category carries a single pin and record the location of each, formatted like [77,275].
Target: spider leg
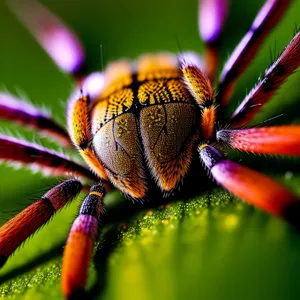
[212,16]
[26,114]
[283,140]
[59,41]
[251,186]
[268,16]
[285,65]
[51,163]
[200,87]
[79,247]
[79,127]
[18,229]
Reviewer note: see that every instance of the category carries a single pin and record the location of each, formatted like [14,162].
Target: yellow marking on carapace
[122,127]
[99,115]
[112,106]
[92,160]
[201,147]
[208,122]
[163,91]
[96,193]
[154,91]
[77,257]
[198,85]
[178,91]
[80,128]
[156,117]
[117,76]
[157,66]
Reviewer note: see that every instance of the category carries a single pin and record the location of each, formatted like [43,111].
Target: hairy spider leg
[285,65]
[79,247]
[22,113]
[251,186]
[200,88]
[19,152]
[268,16]
[79,127]
[18,229]
[283,140]
[211,18]
[59,41]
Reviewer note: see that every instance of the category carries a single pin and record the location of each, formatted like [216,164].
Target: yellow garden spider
[146,122]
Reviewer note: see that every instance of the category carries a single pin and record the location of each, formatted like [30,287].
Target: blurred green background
[210,247]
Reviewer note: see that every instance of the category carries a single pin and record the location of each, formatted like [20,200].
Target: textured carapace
[145,117]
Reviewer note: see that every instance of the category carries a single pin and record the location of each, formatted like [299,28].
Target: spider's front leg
[79,248]
[251,186]
[23,225]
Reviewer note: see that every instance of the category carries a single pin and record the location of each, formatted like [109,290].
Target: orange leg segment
[79,248]
[201,89]
[251,186]
[19,228]
[283,140]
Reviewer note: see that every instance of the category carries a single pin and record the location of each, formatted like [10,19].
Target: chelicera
[147,121]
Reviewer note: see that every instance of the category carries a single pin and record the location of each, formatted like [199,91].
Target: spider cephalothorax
[147,121]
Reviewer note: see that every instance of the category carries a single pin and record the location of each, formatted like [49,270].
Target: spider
[146,122]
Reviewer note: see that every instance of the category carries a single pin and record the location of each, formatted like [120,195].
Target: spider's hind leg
[79,248]
[18,229]
[251,186]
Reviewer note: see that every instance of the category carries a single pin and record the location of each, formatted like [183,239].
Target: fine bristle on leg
[268,16]
[59,41]
[37,158]
[282,140]
[251,186]
[212,16]
[285,65]
[79,247]
[18,229]
[26,114]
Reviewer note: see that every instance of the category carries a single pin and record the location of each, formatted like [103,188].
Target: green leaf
[210,247]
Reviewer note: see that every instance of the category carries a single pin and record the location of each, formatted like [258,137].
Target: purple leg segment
[38,158]
[285,65]
[59,41]
[212,16]
[26,114]
[266,19]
